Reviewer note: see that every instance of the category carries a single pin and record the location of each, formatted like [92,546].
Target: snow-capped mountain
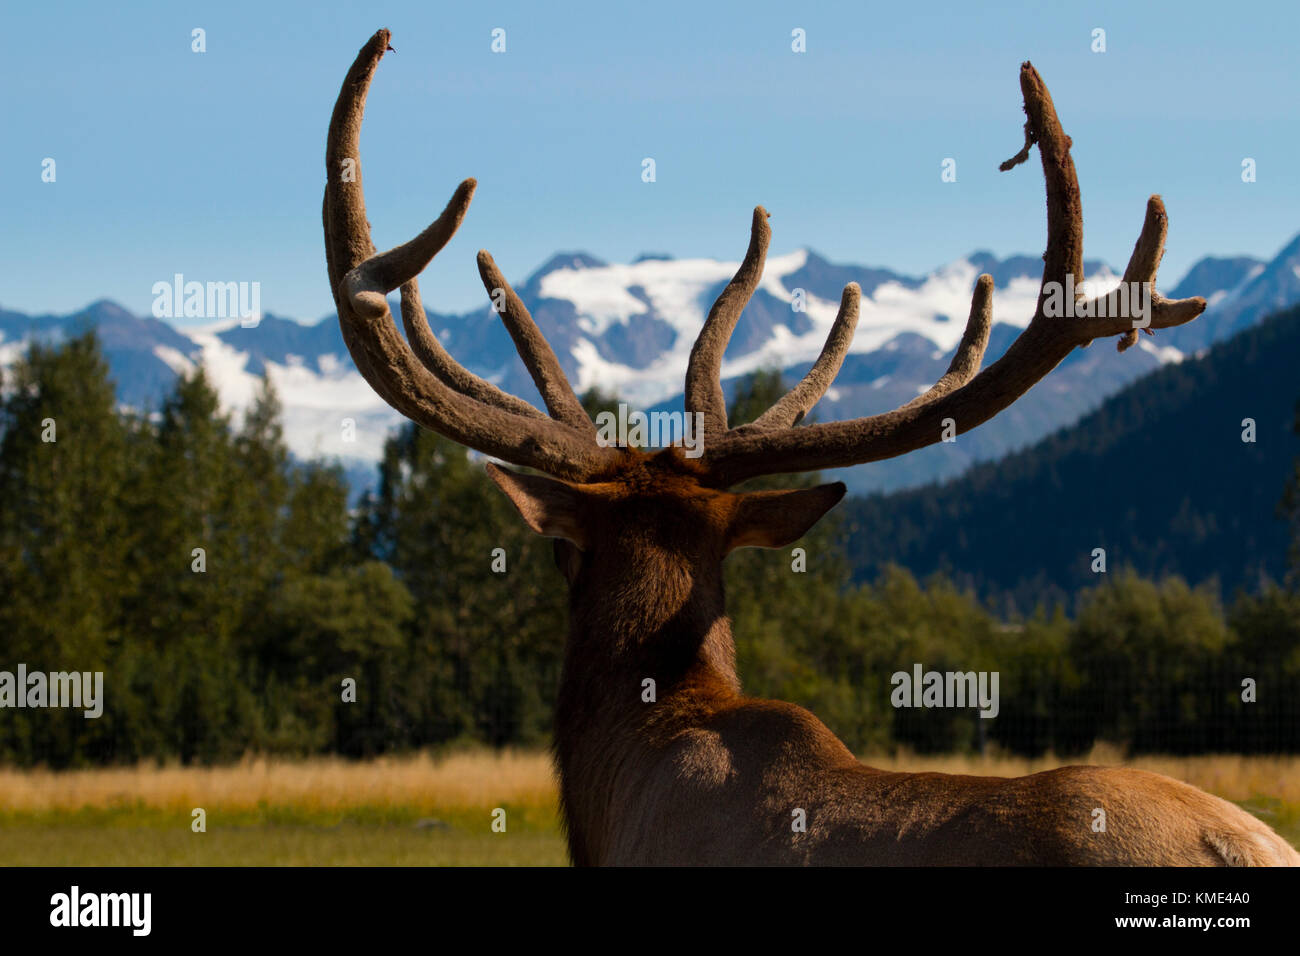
[628,329]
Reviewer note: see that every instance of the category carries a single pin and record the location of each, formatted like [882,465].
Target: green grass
[142,837]
[346,845]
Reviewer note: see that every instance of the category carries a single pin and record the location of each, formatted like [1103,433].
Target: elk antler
[771,444]
[420,379]
[703,385]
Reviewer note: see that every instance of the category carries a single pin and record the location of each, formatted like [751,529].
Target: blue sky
[212,164]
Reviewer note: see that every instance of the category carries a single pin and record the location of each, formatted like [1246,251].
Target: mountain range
[627,329]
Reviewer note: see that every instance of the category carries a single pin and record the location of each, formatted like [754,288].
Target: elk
[705,775]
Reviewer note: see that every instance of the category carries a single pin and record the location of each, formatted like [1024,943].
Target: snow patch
[1165,354]
[677,291]
[314,404]
[174,359]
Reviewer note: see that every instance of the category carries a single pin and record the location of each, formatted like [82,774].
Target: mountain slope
[628,329]
[1158,476]
[1262,288]
[143,353]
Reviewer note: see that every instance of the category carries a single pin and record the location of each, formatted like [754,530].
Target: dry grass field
[418,810]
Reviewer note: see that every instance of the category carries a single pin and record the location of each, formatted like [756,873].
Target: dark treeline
[229,595]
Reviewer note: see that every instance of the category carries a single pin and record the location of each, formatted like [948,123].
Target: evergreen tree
[63,464]
[1149,657]
[488,631]
[1265,653]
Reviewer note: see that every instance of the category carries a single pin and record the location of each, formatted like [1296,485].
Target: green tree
[196,548]
[1149,658]
[1266,651]
[1290,508]
[487,635]
[63,463]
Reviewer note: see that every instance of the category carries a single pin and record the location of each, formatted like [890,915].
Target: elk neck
[658,619]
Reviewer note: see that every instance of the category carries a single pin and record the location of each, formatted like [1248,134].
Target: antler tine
[970,351]
[347,234]
[361,280]
[703,371]
[1064,255]
[368,283]
[438,360]
[965,398]
[533,348]
[799,401]
[1142,267]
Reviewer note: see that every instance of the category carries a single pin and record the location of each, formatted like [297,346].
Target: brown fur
[705,775]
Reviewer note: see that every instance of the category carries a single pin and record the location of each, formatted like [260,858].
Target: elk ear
[550,507]
[773,519]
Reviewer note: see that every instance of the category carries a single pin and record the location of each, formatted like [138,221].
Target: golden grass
[392,811]
[478,778]
[383,811]
[419,782]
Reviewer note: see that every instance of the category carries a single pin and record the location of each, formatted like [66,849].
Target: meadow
[421,809]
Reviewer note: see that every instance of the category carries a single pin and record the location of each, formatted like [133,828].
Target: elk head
[629,516]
